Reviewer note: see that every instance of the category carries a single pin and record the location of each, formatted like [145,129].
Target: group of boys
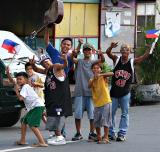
[91,92]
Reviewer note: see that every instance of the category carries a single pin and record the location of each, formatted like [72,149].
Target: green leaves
[149,70]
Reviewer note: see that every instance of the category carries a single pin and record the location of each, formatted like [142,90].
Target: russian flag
[11,46]
[152,34]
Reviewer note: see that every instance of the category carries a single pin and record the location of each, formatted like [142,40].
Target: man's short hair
[125,46]
[23,74]
[69,39]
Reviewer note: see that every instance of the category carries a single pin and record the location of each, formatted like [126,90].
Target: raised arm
[101,56]
[52,52]
[109,51]
[46,37]
[35,68]
[142,57]
[75,52]
[61,66]
[9,76]
[74,57]
[80,42]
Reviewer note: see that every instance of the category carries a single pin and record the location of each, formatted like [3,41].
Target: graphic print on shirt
[122,77]
[50,83]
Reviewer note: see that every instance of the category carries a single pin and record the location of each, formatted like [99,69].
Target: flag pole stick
[12,59]
[153,45]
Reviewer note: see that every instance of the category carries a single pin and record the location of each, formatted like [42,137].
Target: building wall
[157,24]
[80,20]
[127,29]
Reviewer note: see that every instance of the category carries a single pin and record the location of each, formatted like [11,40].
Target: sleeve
[53,53]
[24,91]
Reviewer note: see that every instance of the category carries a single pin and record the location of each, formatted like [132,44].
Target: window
[79,20]
[145,18]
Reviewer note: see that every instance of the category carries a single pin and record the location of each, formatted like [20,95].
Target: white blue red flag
[11,46]
[152,34]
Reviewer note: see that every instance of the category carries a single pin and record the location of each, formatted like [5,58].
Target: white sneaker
[53,137]
[59,140]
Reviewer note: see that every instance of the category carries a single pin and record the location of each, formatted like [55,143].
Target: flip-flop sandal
[104,141]
[20,144]
[39,145]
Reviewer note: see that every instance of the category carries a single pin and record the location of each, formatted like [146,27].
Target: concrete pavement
[143,134]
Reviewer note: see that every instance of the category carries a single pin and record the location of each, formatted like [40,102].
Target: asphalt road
[143,135]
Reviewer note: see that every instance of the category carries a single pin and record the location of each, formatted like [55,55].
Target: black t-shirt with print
[57,96]
[122,79]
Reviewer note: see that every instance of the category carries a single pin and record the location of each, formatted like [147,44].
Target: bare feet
[103,141]
[20,143]
[40,145]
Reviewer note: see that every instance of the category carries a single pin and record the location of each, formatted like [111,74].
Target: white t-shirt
[31,99]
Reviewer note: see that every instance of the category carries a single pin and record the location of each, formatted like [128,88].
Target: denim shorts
[83,103]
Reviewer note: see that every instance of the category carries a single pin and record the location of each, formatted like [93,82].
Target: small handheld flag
[152,34]
[11,46]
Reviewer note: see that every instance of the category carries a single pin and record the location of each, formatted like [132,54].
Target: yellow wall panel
[91,20]
[62,29]
[77,19]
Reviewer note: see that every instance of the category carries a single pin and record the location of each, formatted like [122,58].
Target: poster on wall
[120,3]
[112,24]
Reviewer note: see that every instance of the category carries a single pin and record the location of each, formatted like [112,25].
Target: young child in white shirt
[34,106]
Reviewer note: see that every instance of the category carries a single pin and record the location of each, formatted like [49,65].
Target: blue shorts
[83,103]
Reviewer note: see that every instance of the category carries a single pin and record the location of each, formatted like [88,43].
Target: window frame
[146,19]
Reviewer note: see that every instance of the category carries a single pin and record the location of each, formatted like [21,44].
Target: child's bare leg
[106,131]
[98,131]
[38,135]
[78,125]
[92,128]
[23,133]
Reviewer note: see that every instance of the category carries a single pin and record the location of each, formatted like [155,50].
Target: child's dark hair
[27,65]
[96,63]
[69,39]
[23,74]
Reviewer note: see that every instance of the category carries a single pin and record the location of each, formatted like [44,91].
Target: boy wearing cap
[82,94]
[120,87]
[55,96]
